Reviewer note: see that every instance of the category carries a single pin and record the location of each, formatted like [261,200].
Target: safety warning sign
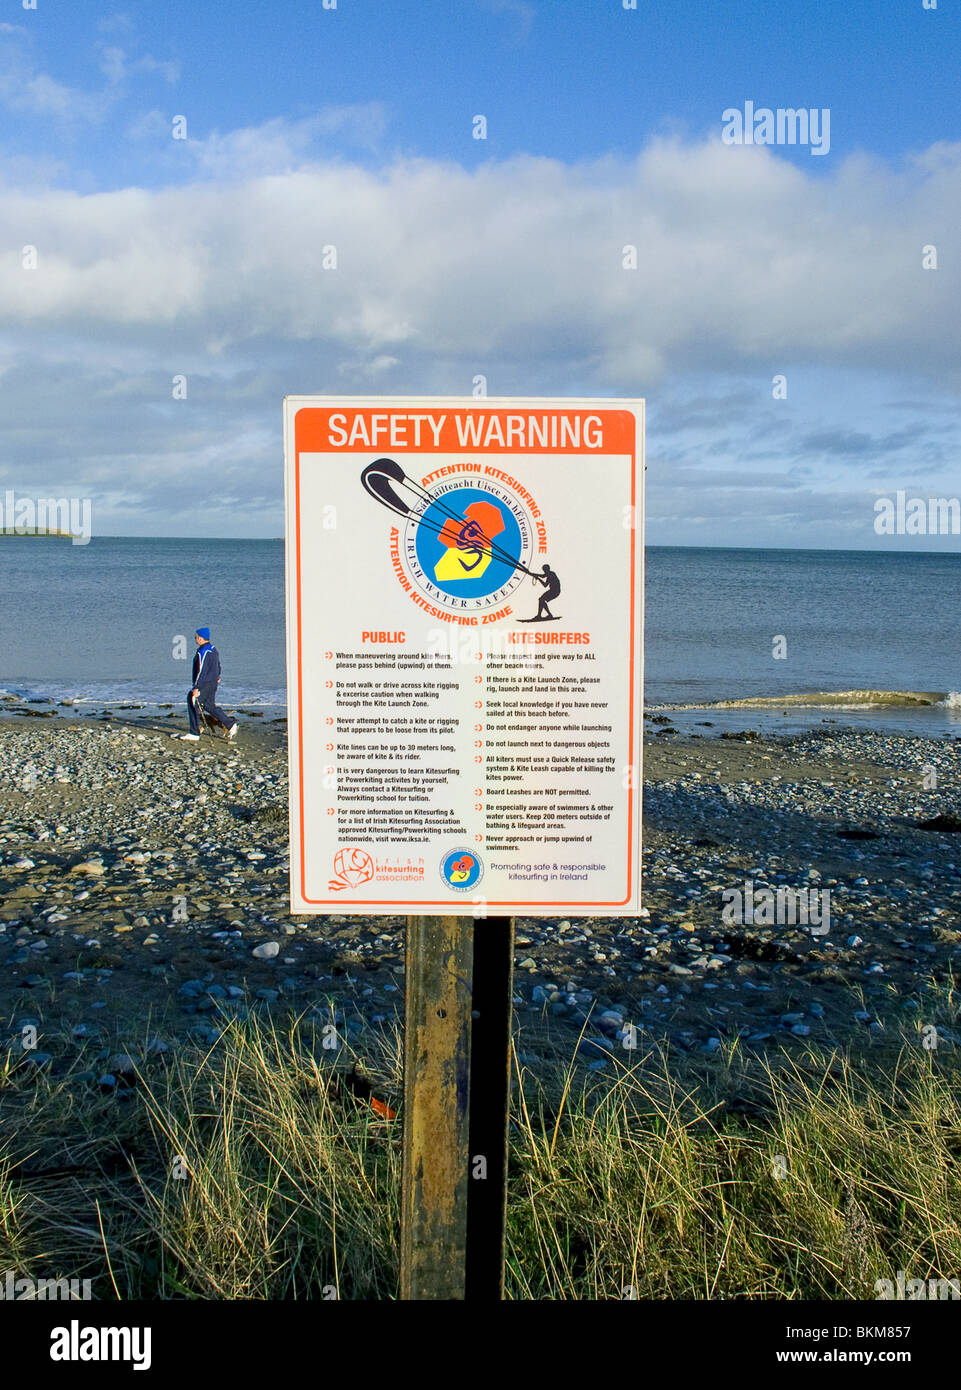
[465,634]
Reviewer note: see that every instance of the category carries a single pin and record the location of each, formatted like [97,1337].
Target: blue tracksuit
[206,674]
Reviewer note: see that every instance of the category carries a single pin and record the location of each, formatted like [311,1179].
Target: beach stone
[267,950]
[34,1058]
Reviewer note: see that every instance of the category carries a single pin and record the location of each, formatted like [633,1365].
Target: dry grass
[242,1172]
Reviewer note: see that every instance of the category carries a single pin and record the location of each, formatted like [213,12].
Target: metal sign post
[456,1086]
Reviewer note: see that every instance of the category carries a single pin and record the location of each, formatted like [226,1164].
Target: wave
[833,699]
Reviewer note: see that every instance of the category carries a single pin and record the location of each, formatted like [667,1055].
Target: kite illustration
[469,538]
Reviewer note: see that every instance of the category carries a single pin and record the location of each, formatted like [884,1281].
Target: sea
[734,639]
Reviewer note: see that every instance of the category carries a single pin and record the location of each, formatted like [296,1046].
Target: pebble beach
[144,899]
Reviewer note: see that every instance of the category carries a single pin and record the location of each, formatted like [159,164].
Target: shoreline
[766,716]
[138,875]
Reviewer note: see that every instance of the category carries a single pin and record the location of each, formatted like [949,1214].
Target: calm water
[853,621]
[99,622]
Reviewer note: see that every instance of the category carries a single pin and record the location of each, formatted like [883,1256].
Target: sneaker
[191,738]
[232,731]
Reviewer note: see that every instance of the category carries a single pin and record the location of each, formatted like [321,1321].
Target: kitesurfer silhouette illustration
[552,587]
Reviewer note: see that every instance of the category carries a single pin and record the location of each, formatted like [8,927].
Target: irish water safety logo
[461,869]
[468,544]
[352,867]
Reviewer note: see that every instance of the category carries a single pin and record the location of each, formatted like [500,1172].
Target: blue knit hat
[204,632]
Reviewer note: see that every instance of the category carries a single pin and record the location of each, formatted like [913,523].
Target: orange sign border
[558,404]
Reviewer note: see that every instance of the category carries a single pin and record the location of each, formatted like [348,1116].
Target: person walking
[206,678]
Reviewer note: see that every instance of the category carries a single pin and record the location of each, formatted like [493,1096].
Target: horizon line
[660,545]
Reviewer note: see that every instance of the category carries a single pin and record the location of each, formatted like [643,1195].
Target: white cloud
[150,125]
[116,24]
[520,11]
[280,146]
[747,266]
[742,258]
[27,90]
[118,67]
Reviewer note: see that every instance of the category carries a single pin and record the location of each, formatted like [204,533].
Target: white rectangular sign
[465,630]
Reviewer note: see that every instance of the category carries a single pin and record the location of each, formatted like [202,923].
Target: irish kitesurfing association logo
[352,867]
[467,544]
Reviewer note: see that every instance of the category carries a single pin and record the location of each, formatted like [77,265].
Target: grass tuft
[252,1171]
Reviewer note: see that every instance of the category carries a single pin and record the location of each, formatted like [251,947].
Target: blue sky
[353,126]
